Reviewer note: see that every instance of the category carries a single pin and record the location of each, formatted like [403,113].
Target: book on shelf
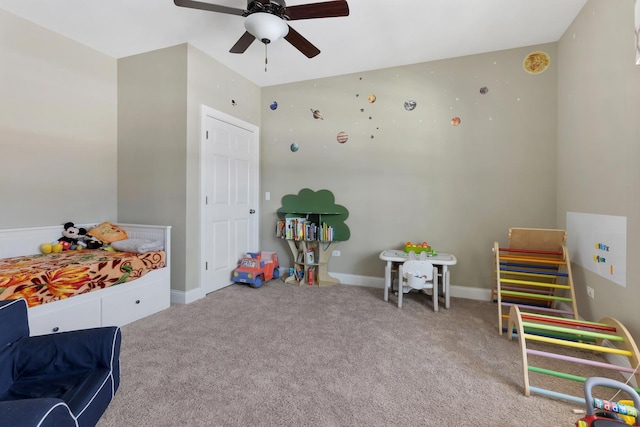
[310,256]
[327,232]
[295,228]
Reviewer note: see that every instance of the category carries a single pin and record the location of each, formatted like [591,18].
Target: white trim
[466,292]
[186,297]
[114,340]
[14,301]
[44,417]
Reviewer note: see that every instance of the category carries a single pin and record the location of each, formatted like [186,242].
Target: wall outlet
[591,292]
[335,253]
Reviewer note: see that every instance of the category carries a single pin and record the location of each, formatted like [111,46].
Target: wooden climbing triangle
[533,273]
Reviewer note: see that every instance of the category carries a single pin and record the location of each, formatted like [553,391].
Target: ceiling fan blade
[208,6]
[243,43]
[302,44]
[328,9]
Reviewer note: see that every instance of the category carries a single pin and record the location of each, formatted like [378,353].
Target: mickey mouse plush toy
[71,235]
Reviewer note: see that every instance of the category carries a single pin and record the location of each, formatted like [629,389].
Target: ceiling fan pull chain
[266,61]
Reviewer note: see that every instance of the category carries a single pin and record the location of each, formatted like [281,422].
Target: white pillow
[139,246]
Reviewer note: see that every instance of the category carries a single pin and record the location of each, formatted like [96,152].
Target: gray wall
[159,99]
[152,124]
[411,175]
[57,128]
[599,143]
[531,149]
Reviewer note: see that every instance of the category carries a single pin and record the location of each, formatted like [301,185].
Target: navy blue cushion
[14,325]
[77,373]
[36,412]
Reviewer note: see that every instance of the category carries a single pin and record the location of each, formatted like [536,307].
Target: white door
[230,198]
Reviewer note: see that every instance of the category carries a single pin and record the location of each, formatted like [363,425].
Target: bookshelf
[312,224]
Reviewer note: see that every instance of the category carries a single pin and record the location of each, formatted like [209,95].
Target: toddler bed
[87,288]
[41,279]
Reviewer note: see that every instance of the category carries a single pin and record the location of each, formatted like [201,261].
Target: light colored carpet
[284,355]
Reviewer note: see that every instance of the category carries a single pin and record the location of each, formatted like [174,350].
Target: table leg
[446,286]
[400,273]
[435,289]
[387,280]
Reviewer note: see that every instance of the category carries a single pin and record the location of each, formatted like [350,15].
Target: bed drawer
[137,302]
[68,316]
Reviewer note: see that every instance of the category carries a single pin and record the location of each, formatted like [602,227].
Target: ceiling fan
[266,20]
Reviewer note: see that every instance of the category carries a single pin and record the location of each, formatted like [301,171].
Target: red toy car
[256,268]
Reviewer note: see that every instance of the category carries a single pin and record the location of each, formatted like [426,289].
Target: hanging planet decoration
[371,99]
[317,114]
[342,137]
[536,62]
[455,121]
[274,105]
[484,90]
[410,105]
[294,147]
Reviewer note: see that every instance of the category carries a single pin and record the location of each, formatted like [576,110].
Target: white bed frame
[113,306]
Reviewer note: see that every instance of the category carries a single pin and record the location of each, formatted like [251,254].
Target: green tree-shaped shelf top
[318,205]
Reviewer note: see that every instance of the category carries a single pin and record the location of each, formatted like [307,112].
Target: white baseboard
[186,297]
[182,297]
[466,292]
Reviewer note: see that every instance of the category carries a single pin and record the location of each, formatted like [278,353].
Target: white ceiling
[376,34]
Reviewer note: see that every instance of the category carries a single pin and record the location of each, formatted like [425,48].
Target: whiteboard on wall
[599,243]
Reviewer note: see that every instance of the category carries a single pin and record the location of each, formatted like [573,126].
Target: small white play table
[396,256]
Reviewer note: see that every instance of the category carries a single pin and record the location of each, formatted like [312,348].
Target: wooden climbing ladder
[608,336]
[533,273]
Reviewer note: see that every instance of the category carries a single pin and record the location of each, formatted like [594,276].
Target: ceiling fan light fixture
[266,27]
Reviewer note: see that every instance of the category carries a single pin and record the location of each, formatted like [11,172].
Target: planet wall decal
[317,114]
[274,105]
[410,105]
[371,99]
[536,62]
[294,147]
[455,121]
[342,137]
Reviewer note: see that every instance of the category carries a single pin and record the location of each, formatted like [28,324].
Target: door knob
[252,211]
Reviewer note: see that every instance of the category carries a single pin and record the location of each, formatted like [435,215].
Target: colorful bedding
[45,278]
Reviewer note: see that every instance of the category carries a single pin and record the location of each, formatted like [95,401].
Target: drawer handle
[137,301]
[55,329]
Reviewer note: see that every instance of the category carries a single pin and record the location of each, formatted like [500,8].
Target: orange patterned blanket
[45,278]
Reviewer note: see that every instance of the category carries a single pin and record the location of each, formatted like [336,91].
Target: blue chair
[64,379]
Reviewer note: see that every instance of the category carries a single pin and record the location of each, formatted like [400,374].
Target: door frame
[255,130]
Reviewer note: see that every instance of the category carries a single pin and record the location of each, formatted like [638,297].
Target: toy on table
[257,267]
[419,247]
[72,238]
